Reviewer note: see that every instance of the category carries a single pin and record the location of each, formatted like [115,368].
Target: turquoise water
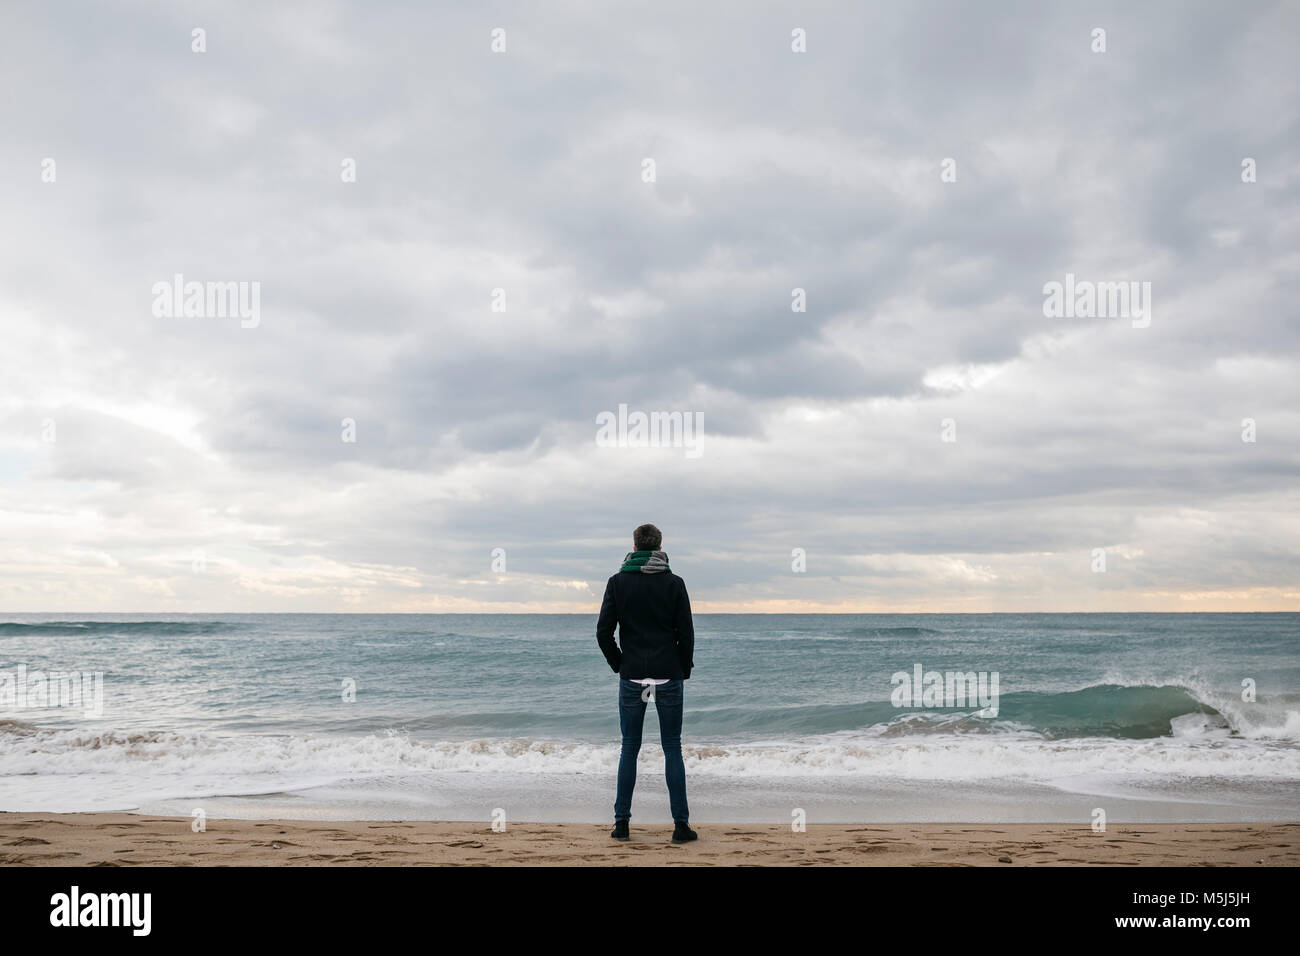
[456,715]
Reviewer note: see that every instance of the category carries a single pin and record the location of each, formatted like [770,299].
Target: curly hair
[647,538]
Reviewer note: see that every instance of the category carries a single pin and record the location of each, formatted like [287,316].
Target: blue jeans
[631,718]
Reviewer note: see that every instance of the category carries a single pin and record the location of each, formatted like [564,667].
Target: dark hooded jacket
[656,637]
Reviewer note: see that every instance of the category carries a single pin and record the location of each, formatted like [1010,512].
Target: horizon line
[694,613]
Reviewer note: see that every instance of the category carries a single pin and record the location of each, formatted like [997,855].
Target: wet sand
[124,839]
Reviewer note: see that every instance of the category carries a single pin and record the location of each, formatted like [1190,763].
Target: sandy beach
[124,839]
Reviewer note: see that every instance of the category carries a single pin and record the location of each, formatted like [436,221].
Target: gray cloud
[521,171]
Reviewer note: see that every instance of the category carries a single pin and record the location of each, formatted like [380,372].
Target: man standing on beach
[653,656]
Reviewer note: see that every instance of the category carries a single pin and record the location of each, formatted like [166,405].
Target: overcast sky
[193,464]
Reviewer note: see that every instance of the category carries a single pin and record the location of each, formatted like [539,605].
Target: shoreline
[126,839]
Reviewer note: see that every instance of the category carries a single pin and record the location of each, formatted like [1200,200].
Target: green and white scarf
[647,562]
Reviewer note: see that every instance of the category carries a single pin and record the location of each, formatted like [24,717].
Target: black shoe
[684,834]
[620,830]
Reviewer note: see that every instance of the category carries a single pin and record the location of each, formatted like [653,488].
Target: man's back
[653,616]
[649,606]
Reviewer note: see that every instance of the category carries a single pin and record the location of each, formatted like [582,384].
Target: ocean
[1145,717]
